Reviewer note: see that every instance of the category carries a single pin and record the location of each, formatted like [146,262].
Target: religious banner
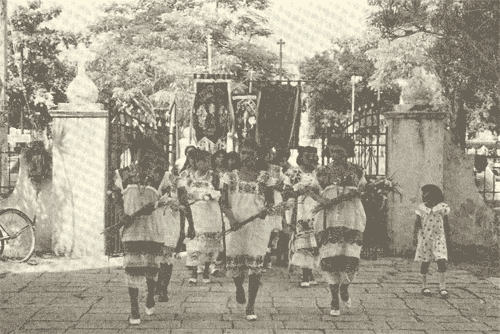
[278,120]
[212,115]
[245,107]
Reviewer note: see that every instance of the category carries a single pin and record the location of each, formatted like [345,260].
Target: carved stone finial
[82,90]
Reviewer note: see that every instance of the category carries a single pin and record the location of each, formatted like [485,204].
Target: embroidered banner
[212,117]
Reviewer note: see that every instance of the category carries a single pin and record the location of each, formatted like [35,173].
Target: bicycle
[19,240]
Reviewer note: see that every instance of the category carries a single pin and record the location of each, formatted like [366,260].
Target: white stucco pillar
[79,152]
[415,142]
[79,179]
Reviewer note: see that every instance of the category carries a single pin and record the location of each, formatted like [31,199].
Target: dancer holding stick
[141,236]
[246,193]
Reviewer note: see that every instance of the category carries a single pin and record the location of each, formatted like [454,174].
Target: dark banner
[245,110]
[278,120]
[211,115]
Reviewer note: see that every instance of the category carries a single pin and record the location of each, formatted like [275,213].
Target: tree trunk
[459,119]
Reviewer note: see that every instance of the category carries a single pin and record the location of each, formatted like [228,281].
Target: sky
[306,26]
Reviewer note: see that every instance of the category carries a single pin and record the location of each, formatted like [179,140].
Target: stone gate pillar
[415,147]
[80,130]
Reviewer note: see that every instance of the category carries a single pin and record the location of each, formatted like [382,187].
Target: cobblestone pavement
[72,296]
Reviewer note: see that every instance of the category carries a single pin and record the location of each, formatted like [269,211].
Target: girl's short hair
[344,141]
[305,149]
[435,192]
[202,155]
[232,155]
[216,154]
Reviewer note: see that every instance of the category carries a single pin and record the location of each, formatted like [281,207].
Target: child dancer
[301,182]
[203,245]
[173,239]
[245,193]
[141,236]
[431,235]
[339,228]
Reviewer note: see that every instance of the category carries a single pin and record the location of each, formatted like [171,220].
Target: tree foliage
[464,53]
[33,63]
[149,50]
[330,88]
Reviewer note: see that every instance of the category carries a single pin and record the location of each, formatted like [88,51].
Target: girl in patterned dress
[142,234]
[300,184]
[202,246]
[339,228]
[431,235]
[245,193]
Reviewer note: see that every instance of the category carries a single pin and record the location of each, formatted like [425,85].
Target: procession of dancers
[244,197]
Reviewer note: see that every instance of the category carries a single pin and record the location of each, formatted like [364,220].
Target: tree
[33,64]
[329,75]
[147,49]
[464,53]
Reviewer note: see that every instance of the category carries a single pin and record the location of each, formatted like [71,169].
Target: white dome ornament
[82,91]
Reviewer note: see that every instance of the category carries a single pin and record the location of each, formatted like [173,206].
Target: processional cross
[281,43]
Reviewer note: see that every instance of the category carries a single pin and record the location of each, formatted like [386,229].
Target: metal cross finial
[81,55]
[281,43]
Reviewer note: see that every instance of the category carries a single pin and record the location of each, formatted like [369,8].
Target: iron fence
[487,170]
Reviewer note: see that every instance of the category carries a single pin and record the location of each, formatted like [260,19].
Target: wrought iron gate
[368,131]
[124,130]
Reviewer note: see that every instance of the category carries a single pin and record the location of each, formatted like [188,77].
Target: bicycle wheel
[21,231]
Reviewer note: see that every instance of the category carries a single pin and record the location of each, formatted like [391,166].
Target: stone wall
[415,158]
[474,227]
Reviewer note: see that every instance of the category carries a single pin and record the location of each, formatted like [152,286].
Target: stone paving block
[345,317]
[92,317]
[426,326]
[395,318]
[98,324]
[40,331]
[200,309]
[296,317]
[253,325]
[443,318]
[199,316]
[11,325]
[466,327]
[241,316]
[348,331]
[480,312]
[134,330]
[304,304]
[205,324]
[362,325]
[397,331]
[448,332]
[37,324]
[207,299]
[309,325]
[150,322]
[110,308]
[380,311]
[91,331]
[195,331]
[295,310]
[436,311]
[60,314]
[298,331]
[493,322]
[235,305]
[250,331]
